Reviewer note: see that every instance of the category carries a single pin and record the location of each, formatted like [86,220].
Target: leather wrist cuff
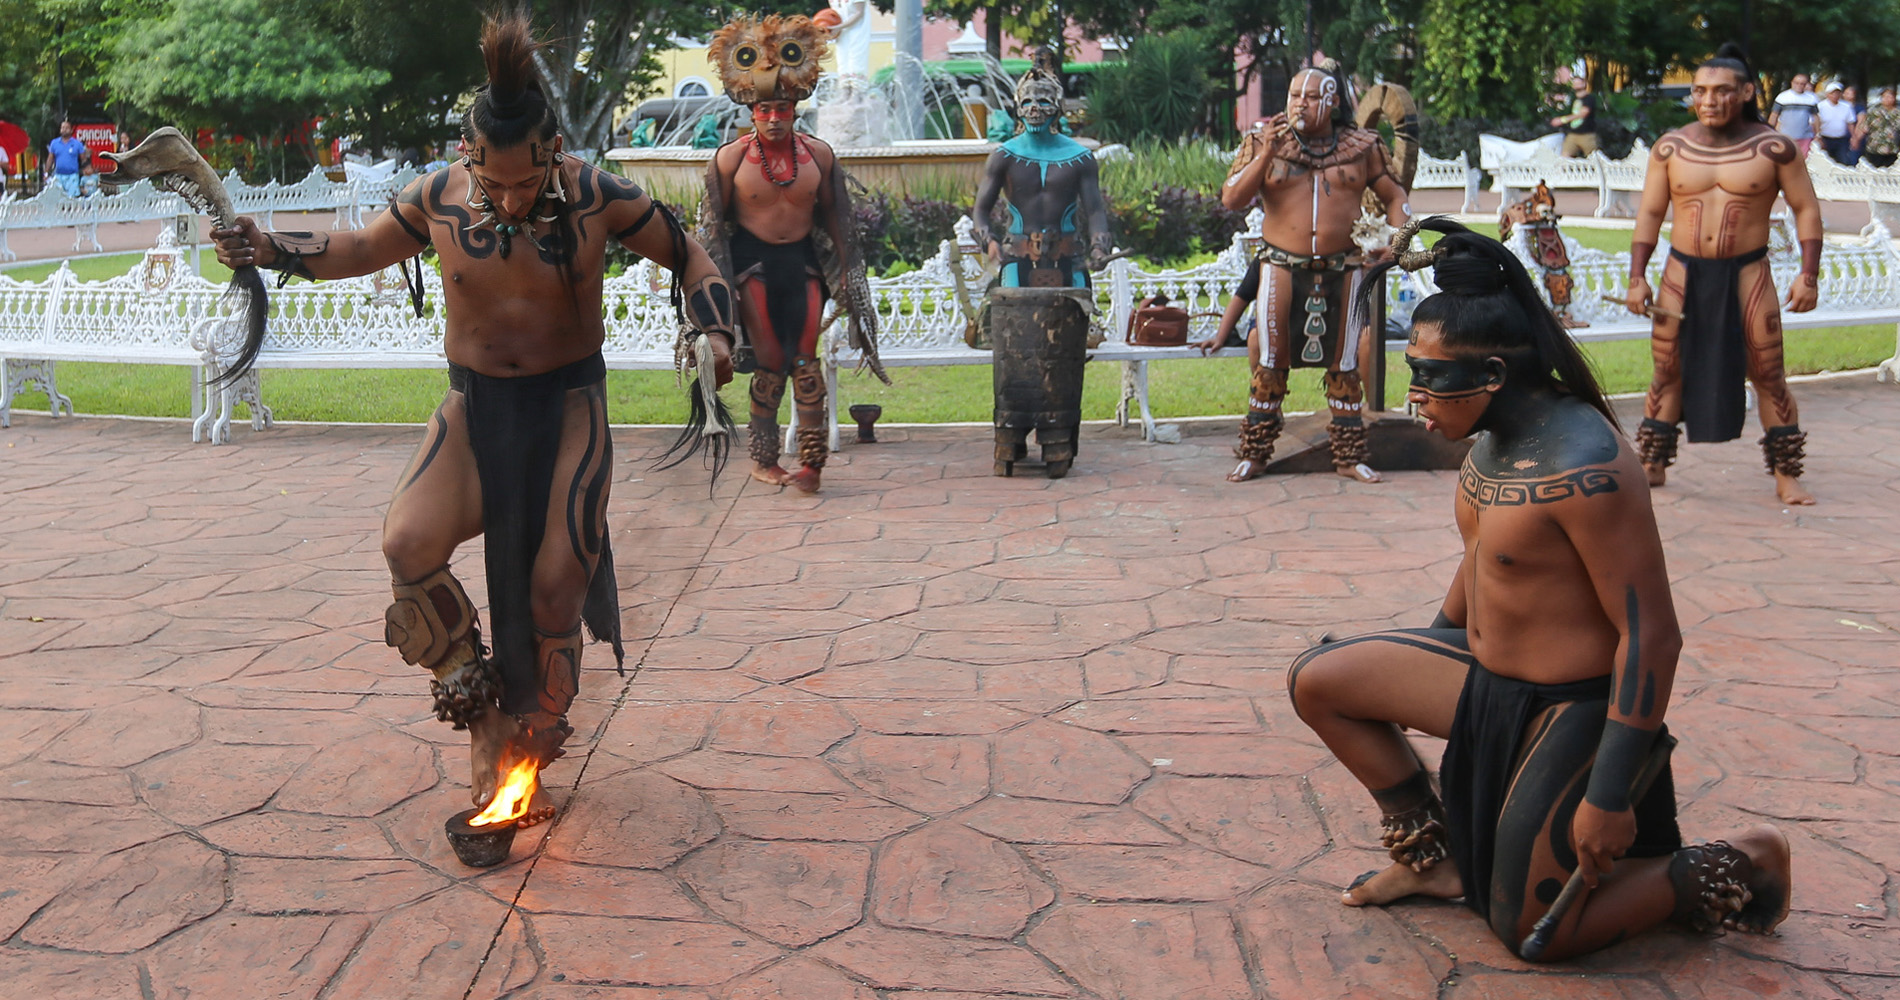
[1811,258]
[1639,259]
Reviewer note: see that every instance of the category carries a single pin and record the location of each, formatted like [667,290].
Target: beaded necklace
[765,162]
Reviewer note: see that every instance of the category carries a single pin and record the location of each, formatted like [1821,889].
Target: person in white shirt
[1793,114]
[1834,118]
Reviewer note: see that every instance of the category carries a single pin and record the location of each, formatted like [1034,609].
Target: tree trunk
[993,32]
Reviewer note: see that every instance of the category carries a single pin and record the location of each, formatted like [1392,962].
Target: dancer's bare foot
[1658,474]
[771,475]
[1791,492]
[489,738]
[1247,469]
[1770,887]
[1399,881]
[1360,471]
[805,480]
[540,807]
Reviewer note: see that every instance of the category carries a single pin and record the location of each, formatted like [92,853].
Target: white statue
[853,43]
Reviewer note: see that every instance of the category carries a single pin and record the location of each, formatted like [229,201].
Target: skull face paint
[1311,99]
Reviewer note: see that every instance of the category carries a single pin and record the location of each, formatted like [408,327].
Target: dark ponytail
[1486,305]
[511,109]
[1731,57]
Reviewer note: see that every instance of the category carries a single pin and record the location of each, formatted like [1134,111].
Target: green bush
[1159,91]
[1173,223]
[920,225]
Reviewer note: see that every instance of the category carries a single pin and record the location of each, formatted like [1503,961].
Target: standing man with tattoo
[1310,168]
[1549,668]
[519,450]
[777,220]
[1719,318]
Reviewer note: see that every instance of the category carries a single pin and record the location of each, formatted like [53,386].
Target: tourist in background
[1880,130]
[1580,125]
[1793,114]
[1855,136]
[65,154]
[1834,121]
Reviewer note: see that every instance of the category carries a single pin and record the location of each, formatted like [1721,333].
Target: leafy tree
[429,51]
[1159,91]
[243,65]
[601,55]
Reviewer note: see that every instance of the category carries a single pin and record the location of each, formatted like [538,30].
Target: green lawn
[921,395]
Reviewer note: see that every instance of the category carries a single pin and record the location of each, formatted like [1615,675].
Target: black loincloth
[1494,713]
[1713,345]
[514,429]
[785,268]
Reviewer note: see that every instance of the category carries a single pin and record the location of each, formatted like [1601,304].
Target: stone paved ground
[930,736]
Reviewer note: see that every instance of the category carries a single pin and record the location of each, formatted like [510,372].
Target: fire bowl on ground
[479,846]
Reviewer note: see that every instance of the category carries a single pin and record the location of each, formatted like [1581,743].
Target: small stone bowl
[479,846]
[866,415]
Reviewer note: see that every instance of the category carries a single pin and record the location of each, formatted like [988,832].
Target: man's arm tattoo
[709,306]
[595,193]
[411,196]
[1623,748]
[291,249]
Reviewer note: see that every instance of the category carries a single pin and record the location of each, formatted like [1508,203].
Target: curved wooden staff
[170,161]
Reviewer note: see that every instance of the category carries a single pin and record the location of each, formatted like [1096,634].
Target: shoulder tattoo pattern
[594,193]
[1481,490]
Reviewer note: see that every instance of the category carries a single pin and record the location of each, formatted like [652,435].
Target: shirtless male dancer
[519,450]
[776,219]
[1549,668]
[1310,168]
[1721,173]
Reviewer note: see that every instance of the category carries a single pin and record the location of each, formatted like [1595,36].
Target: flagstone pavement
[931,735]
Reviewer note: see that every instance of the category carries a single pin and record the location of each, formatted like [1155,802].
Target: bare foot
[1360,471]
[1399,881]
[805,480]
[1658,474]
[1247,469]
[1770,887]
[1789,489]
[489,736]
[540,807]
[771,475]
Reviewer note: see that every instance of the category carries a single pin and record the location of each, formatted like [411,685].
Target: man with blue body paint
[1048,182]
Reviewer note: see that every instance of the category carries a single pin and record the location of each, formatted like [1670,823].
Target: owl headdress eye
[746,55]
[791,53]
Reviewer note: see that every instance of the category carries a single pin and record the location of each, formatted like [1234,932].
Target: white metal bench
[52,208]
[1435,174]
[161,314]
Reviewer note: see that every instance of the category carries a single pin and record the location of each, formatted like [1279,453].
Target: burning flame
[511,799]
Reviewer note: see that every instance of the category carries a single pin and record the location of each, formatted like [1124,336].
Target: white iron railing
[52,208]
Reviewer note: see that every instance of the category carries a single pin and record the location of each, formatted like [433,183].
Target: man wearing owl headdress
[777,219]
[519,451]
[1048,181]
[1310,168]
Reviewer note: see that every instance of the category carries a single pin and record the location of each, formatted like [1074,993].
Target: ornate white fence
[1456,175]
[1516,167]
[52,208]
[162,314]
